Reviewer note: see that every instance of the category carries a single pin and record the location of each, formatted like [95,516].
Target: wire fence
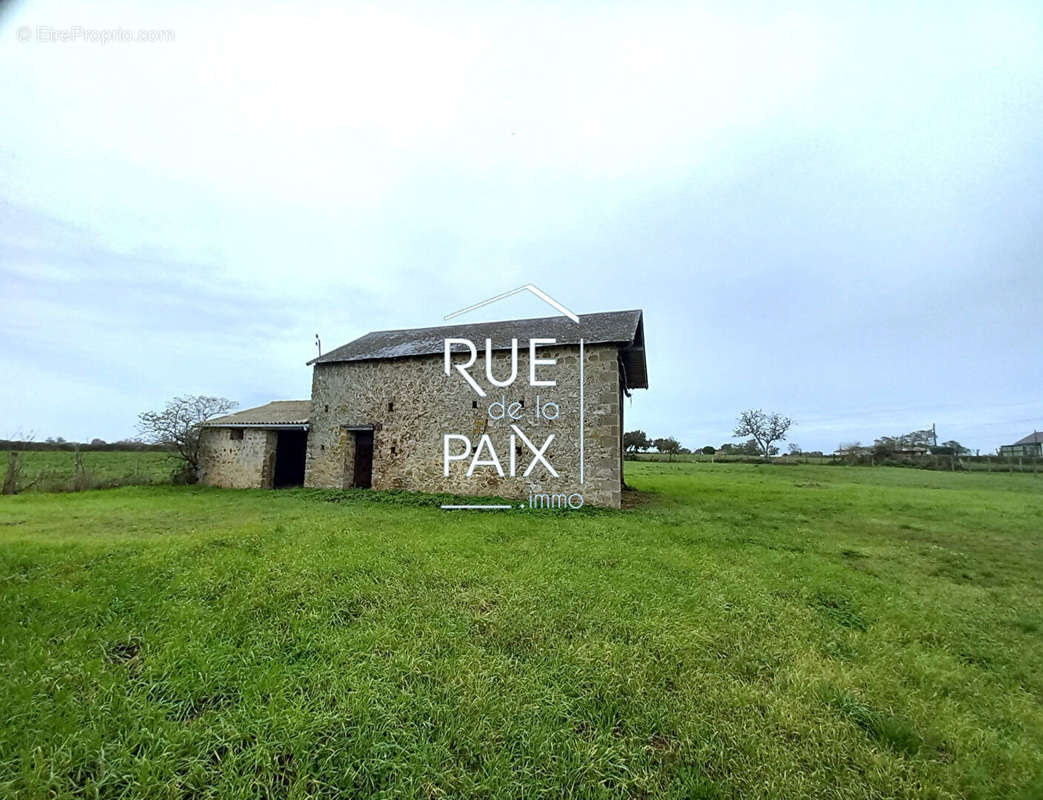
[953,463]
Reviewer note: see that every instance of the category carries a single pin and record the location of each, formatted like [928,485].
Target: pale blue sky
[826,211]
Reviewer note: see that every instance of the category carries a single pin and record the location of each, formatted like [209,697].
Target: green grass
[742,631]
[55,470]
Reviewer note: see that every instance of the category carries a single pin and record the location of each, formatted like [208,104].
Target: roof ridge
[498,322]
[624,329]
[290,412]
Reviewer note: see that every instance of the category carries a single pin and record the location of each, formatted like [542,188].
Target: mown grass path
[743,631]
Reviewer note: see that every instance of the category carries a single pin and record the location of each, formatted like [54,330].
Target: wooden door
[363,460]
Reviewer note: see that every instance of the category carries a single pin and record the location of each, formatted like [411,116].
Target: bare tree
[765,429]
[179,425]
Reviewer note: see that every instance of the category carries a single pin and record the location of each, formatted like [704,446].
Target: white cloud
[316,168]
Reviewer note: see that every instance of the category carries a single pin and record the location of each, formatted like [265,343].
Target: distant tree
[636,440]
[886,445]
[709,450]
[668,445]
[179,425]
[98,443]
[748,448]
[914,440]
[924,438]
[956,447]
[794,449]
[765,429]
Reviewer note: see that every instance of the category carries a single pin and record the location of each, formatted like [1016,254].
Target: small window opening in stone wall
[393,449]
[391,405]
[474,404]
[236,434]
[522,401]
[327,409]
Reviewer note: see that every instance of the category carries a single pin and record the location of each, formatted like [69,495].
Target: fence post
[988,462]
[1010,464]
[11,478]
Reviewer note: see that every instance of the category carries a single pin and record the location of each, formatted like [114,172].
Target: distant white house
[1031,445]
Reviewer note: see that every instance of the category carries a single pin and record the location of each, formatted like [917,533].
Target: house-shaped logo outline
[546,298]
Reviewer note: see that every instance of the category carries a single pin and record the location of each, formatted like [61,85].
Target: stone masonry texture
[411,404]
[247,463]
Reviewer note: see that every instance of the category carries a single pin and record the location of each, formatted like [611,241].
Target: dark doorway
[290,450]
[363,460]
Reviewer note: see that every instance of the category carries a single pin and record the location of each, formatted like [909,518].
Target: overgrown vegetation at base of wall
[65,471]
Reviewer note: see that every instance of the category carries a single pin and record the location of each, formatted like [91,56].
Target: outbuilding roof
[277,414]
[625,328]
[1033,438]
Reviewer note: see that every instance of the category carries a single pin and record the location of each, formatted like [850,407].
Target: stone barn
[259,448]
[383,404]
[525,409]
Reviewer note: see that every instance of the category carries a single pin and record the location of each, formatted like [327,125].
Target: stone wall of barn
[247,463]
[411,403]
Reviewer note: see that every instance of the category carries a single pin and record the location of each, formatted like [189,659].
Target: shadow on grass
[410,499]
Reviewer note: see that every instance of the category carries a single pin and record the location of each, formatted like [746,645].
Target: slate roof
[1033,438]
[625,328]
[278,413]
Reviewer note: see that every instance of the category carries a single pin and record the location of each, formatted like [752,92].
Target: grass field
[741,632]
[55,470]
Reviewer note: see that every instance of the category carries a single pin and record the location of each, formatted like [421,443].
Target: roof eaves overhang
[281,426]
[598,328]
[632,357]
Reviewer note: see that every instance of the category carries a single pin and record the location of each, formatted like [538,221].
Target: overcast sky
[835,214]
